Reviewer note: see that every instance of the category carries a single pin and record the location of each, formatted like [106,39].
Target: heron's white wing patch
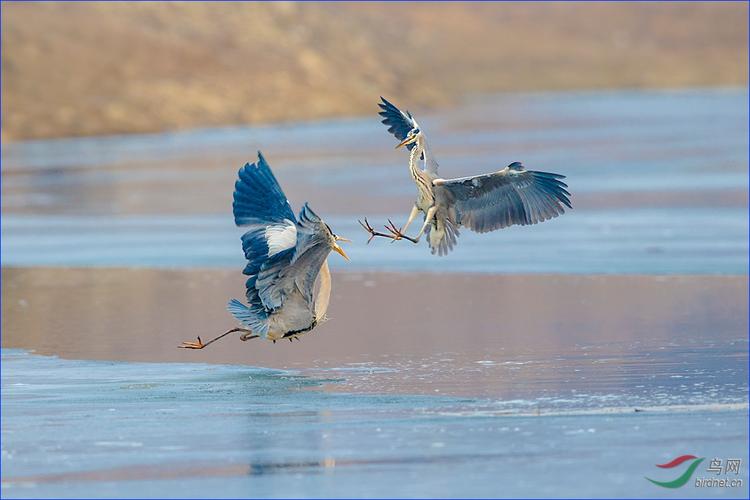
[280,237]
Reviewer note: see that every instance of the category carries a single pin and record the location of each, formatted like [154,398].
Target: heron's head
[334,240]
[411,137]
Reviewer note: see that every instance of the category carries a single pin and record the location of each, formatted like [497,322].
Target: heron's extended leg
[200,345]
[397,234]
[412,216]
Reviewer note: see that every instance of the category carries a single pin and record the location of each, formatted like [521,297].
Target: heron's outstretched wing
[511,196]
[399,123]
[258,198]
[261,206]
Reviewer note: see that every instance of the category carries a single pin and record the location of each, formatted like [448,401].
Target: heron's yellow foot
[193,345]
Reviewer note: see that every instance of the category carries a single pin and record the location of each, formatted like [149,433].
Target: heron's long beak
[337,248]
[406,141]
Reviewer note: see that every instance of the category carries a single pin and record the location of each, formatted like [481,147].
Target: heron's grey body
[441,232]
[482,203]
[288,285]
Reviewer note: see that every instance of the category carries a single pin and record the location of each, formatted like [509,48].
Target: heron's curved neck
[421,178]
[414,154]
[422,144]
[421,148]
[324,292]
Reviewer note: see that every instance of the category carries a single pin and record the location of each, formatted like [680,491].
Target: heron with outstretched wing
[511,196]
[289,284]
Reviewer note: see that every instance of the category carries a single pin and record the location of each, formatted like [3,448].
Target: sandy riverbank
[103,68]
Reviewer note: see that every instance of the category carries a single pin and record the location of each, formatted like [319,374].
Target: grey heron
[289,284]
[486,202]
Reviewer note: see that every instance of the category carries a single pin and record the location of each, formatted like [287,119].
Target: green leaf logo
[685,477]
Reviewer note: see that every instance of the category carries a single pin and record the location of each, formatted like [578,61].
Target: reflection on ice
[85,428]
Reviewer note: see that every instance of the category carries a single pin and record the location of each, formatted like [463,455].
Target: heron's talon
[367,227]
[391,227]
[396,233]
[192,345]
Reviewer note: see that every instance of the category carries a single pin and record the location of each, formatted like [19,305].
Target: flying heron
[289,284]
[482,203]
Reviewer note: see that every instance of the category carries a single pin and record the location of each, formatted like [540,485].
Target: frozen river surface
[530,385]
[659,182]
[85,428]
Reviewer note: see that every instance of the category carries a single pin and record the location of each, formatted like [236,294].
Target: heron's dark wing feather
[262,207]
[511,196]
[399,123]
[258,198]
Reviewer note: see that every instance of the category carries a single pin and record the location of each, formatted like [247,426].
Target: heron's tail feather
[256,322]
[443,238]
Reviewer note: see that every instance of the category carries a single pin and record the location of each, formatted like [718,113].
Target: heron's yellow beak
[337,248]
[406,141]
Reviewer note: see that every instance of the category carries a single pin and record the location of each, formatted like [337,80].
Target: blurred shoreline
[86,69]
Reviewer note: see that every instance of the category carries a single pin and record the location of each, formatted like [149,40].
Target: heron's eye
[415,131]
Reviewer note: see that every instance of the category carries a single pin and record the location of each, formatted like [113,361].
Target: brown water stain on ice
[415,333]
